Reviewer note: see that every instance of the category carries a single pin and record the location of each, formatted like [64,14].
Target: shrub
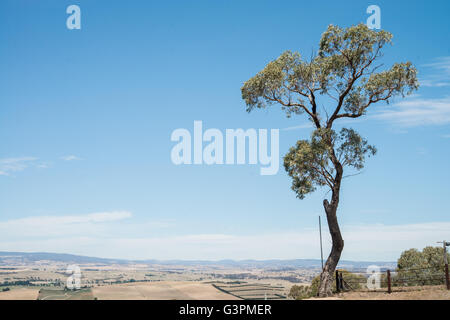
[303,291]
[299,292]
[416,267]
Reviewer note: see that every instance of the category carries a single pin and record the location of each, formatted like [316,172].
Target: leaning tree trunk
[326,277]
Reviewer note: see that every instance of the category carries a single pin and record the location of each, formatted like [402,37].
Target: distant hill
[277,264]
[24,257]
[57,257]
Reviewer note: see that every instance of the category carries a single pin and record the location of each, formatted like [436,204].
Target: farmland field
[60,294]
[46,279]
[20,294]
[161,290]
[253,291]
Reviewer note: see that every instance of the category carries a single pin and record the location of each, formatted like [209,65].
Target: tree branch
[355,76]
[363,108]
[312,114]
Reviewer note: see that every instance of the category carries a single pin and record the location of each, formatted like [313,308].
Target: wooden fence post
[389,281]
[447,278]
[338,286]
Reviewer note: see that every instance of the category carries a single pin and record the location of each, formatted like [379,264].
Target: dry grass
[416,293]
[20,294]
[422,293]
[253,291]
[60,294]
[161,290]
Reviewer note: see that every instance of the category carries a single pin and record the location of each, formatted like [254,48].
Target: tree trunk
[326,277]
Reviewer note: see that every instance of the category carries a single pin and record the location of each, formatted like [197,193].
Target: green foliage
[17,283]
[344,73]
[304,292]
[344,65]
[299,292]
[416,267]
[429,257]
[434,257]
[410,259]
[356,281]
[310,163]
[346,77]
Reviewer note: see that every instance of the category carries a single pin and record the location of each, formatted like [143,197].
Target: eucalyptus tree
[340,82]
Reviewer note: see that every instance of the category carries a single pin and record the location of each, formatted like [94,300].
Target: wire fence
[398,280]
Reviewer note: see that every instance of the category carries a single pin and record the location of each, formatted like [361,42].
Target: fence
[399,280]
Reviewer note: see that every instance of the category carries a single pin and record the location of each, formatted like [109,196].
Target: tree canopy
[345,76]
[424,267]
[344,73]
[428,258]
[309,162]
[343,70]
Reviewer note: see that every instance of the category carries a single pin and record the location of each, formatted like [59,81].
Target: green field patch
[62,294]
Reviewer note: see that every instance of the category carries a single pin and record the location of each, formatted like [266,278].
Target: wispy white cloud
[362,242]
[436,83]
[98,225]
[440,73]
[302,126]
[16,164]
[417,111]
[10,165]
[441,63]
[72,219]
[420,111]
[70,158]
[51,226]
[422,151]
[44,165]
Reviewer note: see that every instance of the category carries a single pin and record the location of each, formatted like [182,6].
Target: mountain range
[30,257]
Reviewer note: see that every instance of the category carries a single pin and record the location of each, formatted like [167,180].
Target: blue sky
[86,117]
